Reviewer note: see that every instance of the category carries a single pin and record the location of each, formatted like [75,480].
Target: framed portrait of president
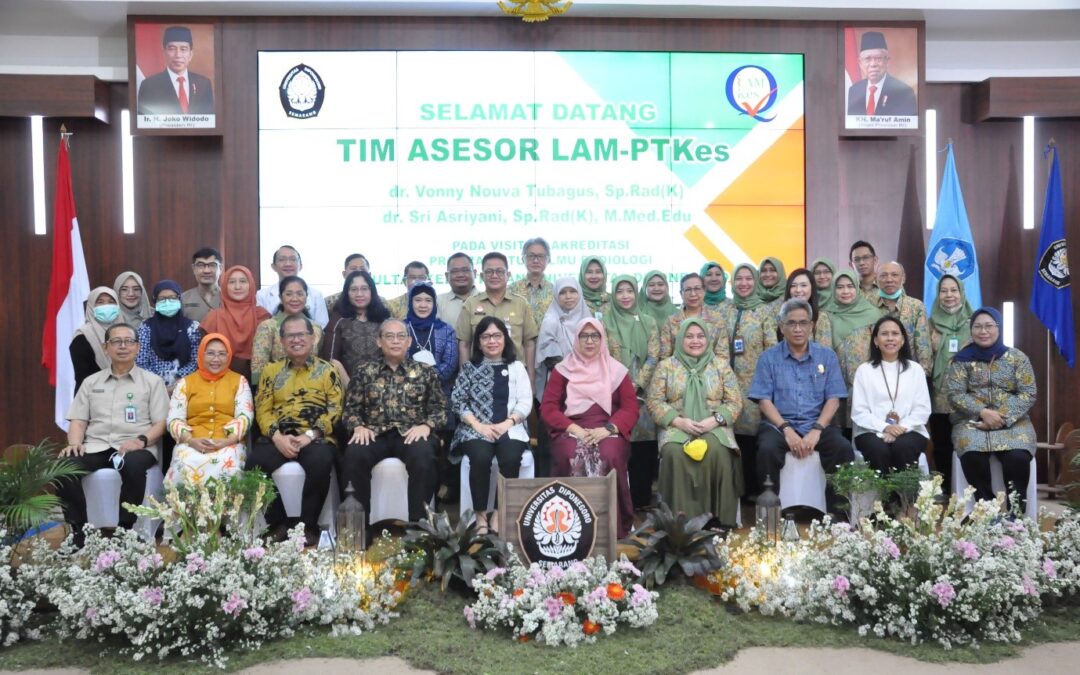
[882,81]
[174,77]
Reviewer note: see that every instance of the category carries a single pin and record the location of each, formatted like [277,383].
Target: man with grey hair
[461,275]
[534,286]
[911,312]
[798,386]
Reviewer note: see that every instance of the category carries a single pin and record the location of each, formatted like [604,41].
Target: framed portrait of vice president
[882,79]
[174,77]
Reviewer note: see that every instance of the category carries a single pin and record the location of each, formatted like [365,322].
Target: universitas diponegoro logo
[752,91]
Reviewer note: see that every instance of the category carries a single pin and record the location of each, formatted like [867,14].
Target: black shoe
[280,532]
[311,536]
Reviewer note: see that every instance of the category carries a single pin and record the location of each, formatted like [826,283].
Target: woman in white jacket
[890,401]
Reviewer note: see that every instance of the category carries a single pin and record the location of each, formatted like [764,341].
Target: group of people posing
[705,399]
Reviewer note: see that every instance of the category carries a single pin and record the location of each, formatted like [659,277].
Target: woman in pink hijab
[589,405]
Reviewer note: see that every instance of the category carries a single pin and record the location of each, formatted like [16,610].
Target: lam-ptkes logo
[752,91]
[302,92]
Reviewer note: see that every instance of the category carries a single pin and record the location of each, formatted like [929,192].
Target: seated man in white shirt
[287,263]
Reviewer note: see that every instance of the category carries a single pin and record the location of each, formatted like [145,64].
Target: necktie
[869,101]
[184,101]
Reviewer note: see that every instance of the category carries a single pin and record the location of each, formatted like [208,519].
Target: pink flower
[841,585]
[536,576]
[254,553]
[1007,543]
[91,613]
[944,592]
[195,563]
[1016,526]
[150,561]
[554,607]
[628,567]
[597,595]
[470,616]
[234,604]
[154,595]
[301,599]
[556,573]
[1029,586]
[106,560]
[641,595]
[494,573]
[891,548]
[578,567]
[968,549]
[1049,568]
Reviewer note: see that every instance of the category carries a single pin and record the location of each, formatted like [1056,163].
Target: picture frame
[887,60]
[157,58]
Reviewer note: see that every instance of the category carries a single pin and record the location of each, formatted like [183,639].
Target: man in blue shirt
[798,386]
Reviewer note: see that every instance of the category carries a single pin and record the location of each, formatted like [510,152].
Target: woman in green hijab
[694,398]
[634,341]
[771,282]
[950,331]
[715,279]
[853,318]
[654,298]
[593,280]
[823,271]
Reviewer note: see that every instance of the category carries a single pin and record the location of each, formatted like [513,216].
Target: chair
[527,470]
[389,491]
[289,480]
[960,483]
[802,482]
[102,491]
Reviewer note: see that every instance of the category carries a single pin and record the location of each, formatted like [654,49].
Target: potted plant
[28,476]
[862,485]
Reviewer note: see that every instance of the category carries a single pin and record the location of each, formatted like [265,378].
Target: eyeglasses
[293,337]
[126,342]
[536,257]
[205,265]
[589,337]
[395,337]
[862,258]
[980,327]
[416,277]
[693,289]
[216,355]
[495,272]
[491,337]
[801,325]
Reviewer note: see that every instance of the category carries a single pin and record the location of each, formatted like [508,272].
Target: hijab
[593,298]
[432,320]
[777,291]
[203,371]
[590,381]
[629,326]
[236,319]
[694,405]
[716,298]
[824,295]
[752,300]
[558,326]
[951,326]
[93,330]
[659,311]
[974,352]
[133,317]
[169,334]
[846,319]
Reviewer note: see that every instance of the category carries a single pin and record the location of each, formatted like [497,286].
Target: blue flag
[951,250]
[1051,298]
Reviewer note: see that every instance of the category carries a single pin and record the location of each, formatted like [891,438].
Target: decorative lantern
[767,511]
[351,526]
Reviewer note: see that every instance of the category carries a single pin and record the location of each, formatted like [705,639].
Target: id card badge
[954,345]
[129,414]
[738,346]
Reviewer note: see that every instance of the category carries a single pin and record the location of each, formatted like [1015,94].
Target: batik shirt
[538,297]
[667,391]
[641,374]
[382,398]
[757,330]
[912,313]
[1006,385]
[718,335]
[299,398]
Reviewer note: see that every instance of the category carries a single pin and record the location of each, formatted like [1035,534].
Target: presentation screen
[649,160]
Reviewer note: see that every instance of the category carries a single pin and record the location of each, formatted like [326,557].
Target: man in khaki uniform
[495,301]
[117,418]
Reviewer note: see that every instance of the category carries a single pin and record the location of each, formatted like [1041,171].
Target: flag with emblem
[951,250]
[1051,296]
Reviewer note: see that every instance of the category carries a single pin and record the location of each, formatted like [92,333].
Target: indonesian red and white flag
[69,287]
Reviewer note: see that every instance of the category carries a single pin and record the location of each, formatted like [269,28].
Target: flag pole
[65,136]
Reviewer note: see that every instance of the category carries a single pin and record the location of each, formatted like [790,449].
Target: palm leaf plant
[667,539]
[28,475]
[444,552]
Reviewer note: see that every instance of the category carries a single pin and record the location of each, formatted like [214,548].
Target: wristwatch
[817,426]
[719,419]
[144,439]
[783,426]
[612,429]
[312,434]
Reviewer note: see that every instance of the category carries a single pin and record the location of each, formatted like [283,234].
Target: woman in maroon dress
[590,402]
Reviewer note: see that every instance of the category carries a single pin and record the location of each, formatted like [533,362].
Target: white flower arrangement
[17,600]
[937,577]
[562,607]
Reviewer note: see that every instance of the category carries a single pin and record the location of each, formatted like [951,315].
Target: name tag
[129,414]
[97,391]
[738,346]
[954,345]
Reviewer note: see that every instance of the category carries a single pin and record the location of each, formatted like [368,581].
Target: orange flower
[518,592]
[523,638]
[616,592]
[567,598]
[590,627]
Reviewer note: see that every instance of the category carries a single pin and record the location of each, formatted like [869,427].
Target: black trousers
[316,458]
[642,468]
[419,459]
[1015,469]
[132,485]
[748,449]
[542,451]
[941,433]
[480,452]
[886,457]
[772,450]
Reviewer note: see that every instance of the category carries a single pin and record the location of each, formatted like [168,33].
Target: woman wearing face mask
[209,415]
[800,284]
[593,281]
[634,341]
[168,341]
[654,298]
[267,346]
[131,295]
[87,347]
[852,318]
[715,279]
[238,317]
[771,282]
[433,340]
[950,331]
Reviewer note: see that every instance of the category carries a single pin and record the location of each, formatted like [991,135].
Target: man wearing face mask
[894,302]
